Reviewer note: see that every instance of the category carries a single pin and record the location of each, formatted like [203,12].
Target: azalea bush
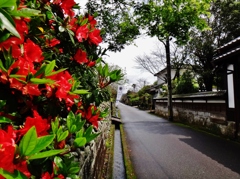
[52,81]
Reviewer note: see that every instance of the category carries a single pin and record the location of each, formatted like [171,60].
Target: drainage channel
[118,163]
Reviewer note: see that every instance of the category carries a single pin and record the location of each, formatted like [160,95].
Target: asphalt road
[163,150]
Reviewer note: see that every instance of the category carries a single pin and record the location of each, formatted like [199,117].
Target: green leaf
[56,72]
[55,125]
[74,170]
[71,34]
[62,136]
[91,137]
[58,161]
[81,92]
[41,81]
[5,120]
[49,68]
[105,70]
[15,70]
[73,128]
[17,174]
[88,131]
[42,143]
[80,124]
[84,22]
[47,154]
[40,71]
[28,142]
[80,141]
[2,67]
[79,133]
[4,35]
[17,76]
[25,12]
[6,22]
[7,3]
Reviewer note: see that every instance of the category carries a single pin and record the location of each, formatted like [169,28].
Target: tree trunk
[208,81]
[169,80]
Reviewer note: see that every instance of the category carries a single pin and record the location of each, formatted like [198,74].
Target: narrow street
[163,150]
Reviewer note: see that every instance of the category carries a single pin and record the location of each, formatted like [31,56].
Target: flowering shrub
[51,84]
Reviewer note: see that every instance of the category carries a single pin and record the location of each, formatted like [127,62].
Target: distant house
[162,78]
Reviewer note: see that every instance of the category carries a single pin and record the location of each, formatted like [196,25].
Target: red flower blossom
[92,21]
[73,25]
[92,115]
[14,42]
[64,86]
[32,52]
[91,63]
[53,42]
[22,167]
[94,37]
[41,125]
[31,89]
[81,56]
[82,33]
[67,5]
[7,150]
[47,175]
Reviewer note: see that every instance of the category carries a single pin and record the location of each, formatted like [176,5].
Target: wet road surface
[162,150]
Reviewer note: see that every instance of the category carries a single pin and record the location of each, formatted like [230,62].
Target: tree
[116,21]
[185,84]
[153,62]
[134,87]
[168,20]
[156,61]
[225,26]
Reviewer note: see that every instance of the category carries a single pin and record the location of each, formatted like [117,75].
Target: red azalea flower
[41,125]
[32,52]
[92,115]
[95,37]
[82,33]
[70,99]
[92,21]
[67,5]
[47,175]
[63,84]
[14,42]
[22,167]
[91,63]
[81,56]
[31,89]
[7,150]
[24,67]
[53,42]
[73,25]
[16,84]
[21,25]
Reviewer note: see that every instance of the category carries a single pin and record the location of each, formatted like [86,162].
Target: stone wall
[208,113]
[92,156]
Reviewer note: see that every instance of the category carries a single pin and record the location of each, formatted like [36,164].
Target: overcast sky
[126,58]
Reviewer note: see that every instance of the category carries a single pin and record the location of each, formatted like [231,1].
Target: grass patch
[130,174]
[108,167]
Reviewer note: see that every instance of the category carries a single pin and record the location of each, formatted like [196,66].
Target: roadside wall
[92,157]
[206,112]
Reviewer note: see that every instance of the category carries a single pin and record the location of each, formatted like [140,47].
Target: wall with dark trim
[207,112]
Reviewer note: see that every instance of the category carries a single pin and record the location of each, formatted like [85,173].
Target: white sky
[126,58]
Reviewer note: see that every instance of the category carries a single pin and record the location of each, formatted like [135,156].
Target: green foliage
[224,24]
[185,84]
[172,18]
[116,21]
